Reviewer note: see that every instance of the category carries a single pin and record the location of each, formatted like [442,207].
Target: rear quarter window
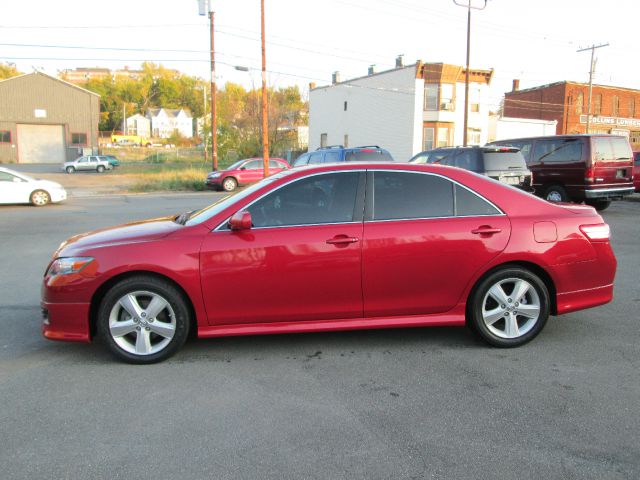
[368,156]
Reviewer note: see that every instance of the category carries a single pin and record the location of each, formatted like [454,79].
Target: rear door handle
[341,239]
[486,230]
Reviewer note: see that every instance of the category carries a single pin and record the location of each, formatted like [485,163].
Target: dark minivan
[504,164]
[595,169]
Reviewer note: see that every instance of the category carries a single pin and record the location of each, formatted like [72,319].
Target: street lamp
[466,80]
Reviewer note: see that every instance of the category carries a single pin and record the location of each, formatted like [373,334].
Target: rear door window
[621,149]
[560,150]
[404,195]
[603,150]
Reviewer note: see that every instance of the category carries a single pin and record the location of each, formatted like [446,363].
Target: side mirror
[243,168]
[241,221]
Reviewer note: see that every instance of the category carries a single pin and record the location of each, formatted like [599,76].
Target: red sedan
[243,172]
[334,247]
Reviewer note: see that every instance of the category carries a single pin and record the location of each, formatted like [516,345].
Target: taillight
[589,174]
[596,233]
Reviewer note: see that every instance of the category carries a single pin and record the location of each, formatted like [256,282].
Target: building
[405,110]
[46,120]
[166,121]
[138,125]
[614,110]
[504,128]
[82,75]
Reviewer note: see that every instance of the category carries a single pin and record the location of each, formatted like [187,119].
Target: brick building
[614,110]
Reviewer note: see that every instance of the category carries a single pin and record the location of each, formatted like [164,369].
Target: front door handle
[486,230]
[341,239]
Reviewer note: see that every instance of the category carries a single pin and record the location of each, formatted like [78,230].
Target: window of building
[79,139]
[401,195]
[5,136]
[474,107]
[446,97]
[634,137]
[474,99]
[615,105]
[597,104]
[444,137]
[427,135]
[632,107]
[579,103]
[345,105]
[431,97]
[473,136]
[346,141]
[316,200]
[323,140]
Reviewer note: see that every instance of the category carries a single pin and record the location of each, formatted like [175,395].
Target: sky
[307,40]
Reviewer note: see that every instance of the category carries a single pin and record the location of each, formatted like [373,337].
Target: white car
[16,187]
[89,162]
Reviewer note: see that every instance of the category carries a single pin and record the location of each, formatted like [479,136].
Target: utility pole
[124,118]
[466,79]
[204,121]
[214,122]
[265,121]
[591,72]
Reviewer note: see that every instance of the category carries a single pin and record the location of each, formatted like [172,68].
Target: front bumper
[58,195]
[213,182]
[608,193]
[66,321]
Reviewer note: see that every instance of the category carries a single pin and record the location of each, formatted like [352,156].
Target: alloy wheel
[511,308]
[142,323]
[40,198]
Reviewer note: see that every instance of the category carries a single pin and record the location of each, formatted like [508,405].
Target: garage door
[41,144]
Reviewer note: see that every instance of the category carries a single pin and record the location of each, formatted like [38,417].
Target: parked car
[595,169]
[16,187]
[309,249]
[338,153]
[111,159]
[636,171]
[243,172]
[505,164]
[88,163]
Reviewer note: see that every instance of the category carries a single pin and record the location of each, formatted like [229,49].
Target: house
[138,125]
[166,121]
[406,110]
[46,120]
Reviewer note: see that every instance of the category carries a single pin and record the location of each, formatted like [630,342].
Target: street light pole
[466,79]
[265,121]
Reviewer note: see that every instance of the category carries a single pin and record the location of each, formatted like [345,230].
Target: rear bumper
[66,321]
[579,300]
[608,193]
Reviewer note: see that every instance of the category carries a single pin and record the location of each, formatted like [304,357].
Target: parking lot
[406,403]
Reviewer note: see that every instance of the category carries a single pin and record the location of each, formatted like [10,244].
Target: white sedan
[16,187]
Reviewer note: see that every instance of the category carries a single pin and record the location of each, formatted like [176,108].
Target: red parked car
[243,172]
[636,171]
[333,247]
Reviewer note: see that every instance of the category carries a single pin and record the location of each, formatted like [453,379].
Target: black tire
[555,193]
[70,169]
[111,312]
[493,321]
[99,169]
[599,205]
[40,198]
[229,184]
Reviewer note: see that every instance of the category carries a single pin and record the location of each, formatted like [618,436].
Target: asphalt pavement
[388,404]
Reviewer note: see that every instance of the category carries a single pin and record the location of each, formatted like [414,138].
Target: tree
[8,70]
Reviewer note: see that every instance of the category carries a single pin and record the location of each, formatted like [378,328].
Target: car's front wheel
[229,184]
[70,170]
[40,198]
[509,307]
[143,319]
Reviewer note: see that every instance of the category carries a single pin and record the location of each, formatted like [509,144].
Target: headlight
[213,175]
[67,265]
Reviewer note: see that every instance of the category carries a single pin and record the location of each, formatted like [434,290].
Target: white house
[405,110]
[138,125]
[165,121]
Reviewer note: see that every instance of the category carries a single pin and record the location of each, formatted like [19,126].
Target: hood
[142,231]
[48,184]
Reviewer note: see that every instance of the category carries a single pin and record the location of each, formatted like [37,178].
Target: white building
[405,110]
[138,125]
[165,121]
[504,128]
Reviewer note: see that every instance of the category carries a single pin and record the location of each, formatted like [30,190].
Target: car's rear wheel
[556,193]
[40,198]
[70,170]
[509,307]
[143,319]
[100,169]
[599,205]
[229,184]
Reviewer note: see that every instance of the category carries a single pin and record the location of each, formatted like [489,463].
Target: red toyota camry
[333,247]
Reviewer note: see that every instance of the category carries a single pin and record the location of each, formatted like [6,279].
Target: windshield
[217,207]
[236,165]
